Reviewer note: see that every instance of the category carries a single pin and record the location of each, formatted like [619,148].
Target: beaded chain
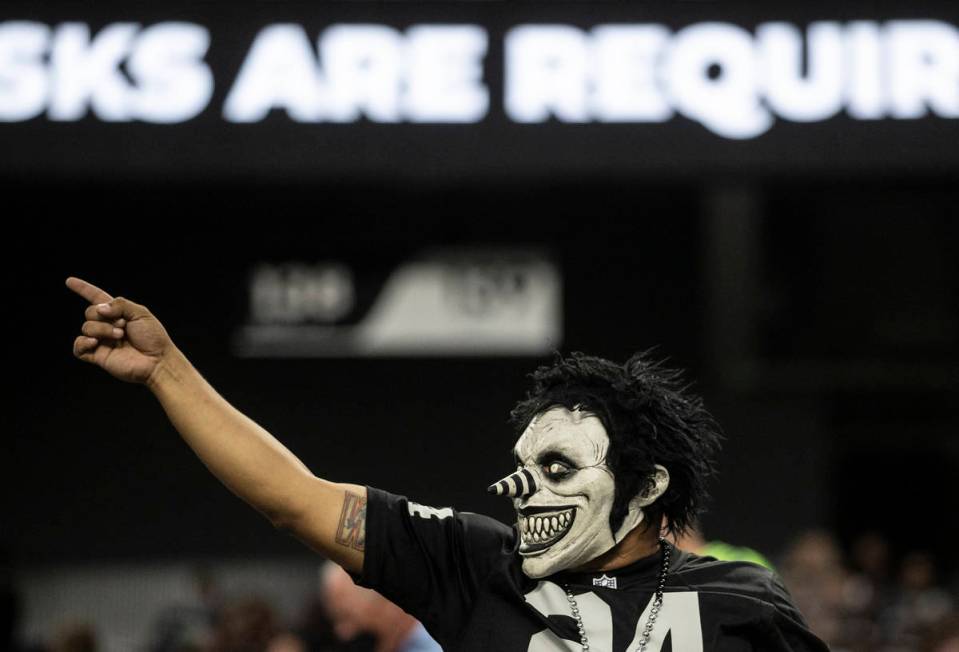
[653,612]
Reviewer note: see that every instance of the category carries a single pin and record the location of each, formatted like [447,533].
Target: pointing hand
[120,336]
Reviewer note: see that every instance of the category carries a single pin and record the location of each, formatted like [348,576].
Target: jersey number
[678,615]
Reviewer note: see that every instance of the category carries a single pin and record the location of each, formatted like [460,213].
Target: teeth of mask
[540,528]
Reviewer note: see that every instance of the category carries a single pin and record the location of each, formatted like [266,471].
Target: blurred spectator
[189,627]
[866,592]
[943,636]
[251,625]
[694,541]
[919,604]
[858,609]
[316,631]
[870,558]
[355,610]
[286,642]
[11,608]
[814,574]
[75,637]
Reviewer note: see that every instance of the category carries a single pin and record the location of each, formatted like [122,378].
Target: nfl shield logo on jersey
[608,582]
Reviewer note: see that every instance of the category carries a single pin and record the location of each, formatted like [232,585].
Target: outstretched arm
[126,340]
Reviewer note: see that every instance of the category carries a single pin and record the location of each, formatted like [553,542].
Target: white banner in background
[733,81]
[451,302]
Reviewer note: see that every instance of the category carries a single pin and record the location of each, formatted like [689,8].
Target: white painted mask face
[563,492]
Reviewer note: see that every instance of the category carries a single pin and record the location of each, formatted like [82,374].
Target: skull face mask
[563,492]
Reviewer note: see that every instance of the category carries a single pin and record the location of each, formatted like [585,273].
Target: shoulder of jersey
[706,574]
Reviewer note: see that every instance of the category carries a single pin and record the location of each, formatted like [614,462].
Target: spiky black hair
[651,418]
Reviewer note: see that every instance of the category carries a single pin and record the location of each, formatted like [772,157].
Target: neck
[642,541]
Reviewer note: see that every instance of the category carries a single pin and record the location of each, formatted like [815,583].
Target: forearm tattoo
[351,531]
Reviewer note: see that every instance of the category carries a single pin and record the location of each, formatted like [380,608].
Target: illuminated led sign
[733,81]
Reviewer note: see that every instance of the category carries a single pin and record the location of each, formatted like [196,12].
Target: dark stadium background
[807,280]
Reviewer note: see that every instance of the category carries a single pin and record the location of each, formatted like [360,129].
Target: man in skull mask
[608,458]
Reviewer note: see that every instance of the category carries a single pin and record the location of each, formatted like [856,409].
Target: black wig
[651,418]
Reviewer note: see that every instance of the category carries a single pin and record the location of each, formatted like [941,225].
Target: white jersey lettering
[427,512]
[679,615]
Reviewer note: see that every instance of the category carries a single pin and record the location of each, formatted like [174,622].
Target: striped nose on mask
[516,485]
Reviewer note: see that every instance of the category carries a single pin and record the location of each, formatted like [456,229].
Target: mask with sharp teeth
[563,492]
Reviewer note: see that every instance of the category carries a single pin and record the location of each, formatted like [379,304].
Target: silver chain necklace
[653,612]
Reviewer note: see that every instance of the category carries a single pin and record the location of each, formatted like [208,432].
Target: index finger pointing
[88,291]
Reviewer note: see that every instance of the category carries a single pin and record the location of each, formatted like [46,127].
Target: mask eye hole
[556,470]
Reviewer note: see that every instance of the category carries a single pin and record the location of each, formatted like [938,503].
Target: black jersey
[460,574]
